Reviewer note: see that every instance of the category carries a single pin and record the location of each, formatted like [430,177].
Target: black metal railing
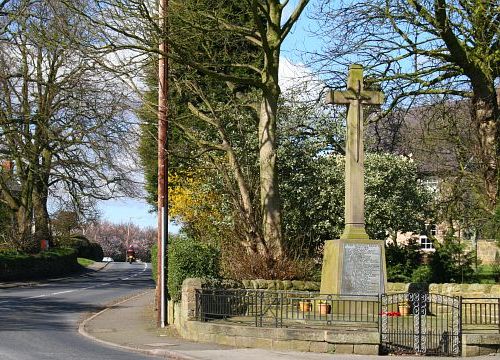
[481,315]
[286,308]
[420,322]
[280,308]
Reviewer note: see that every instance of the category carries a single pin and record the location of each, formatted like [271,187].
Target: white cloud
[298,81]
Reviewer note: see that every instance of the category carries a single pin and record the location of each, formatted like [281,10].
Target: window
[430,230]
[426,243]
[433,230]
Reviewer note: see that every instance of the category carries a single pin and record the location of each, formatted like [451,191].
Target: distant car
[107,259]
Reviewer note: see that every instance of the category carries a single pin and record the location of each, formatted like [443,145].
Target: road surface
[41,322]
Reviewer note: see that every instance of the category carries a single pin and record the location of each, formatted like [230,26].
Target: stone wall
[464,290]
[341,341]
[350,341]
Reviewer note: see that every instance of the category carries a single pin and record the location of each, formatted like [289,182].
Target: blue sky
[137,211]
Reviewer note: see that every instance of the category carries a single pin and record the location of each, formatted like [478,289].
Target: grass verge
[85,262]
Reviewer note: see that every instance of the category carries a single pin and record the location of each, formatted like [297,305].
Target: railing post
[277,310]
[255,309]
[282,304]
[379,320]
[459,340]
[261,307]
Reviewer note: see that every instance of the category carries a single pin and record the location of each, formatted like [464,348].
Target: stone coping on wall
[465,290]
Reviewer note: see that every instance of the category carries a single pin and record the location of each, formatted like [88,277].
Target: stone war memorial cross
[354,264]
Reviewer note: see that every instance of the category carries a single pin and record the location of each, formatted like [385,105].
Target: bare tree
[426,47]
[61,118]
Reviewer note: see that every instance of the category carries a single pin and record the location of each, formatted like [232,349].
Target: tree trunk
[22,224]
[41,216]
[254,241]
[486,114]
[269,194]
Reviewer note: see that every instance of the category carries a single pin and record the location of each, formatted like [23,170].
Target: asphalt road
[41,322]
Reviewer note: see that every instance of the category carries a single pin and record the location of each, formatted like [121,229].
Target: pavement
[130,324]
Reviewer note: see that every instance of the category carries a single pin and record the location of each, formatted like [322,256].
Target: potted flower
[324,308]
[305,305]
[404,308]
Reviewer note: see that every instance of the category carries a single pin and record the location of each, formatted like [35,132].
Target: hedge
[187,258]
[20,266]
[85,248]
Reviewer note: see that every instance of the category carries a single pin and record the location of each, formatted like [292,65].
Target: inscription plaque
[361,270]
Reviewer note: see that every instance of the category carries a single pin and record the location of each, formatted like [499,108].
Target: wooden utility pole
[161,289]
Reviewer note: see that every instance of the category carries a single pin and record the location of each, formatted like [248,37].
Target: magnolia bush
[114,239]
[313,199]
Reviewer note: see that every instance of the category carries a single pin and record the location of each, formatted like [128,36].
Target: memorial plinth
[354,264]
[353,267]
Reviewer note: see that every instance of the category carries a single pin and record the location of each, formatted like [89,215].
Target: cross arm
[346,97]
[372,97]
[340,97]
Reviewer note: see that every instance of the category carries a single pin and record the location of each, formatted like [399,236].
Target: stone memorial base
[353,267]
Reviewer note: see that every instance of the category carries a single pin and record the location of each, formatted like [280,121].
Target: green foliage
[402,261]
[305,133]
[83,246]
[492,227]
[395,201]
[154,261]
[190,258]
[450,263]
[5,223]
[85,262]
[488,274]
[188,134]
[312,189]
[20,266]
[422,274]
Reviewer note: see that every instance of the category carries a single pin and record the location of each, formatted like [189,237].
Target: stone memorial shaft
[355,97]
[354,263]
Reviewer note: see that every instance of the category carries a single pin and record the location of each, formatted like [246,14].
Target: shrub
[451,263]
[21,266]
[189,258]
[422,274]
[239,264]
[83,246]
[402,260]
[154,259]
[186,258]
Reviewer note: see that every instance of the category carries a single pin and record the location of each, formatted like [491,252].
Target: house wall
[488,251]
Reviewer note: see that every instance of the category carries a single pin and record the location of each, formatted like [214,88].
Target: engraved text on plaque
[361,272]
